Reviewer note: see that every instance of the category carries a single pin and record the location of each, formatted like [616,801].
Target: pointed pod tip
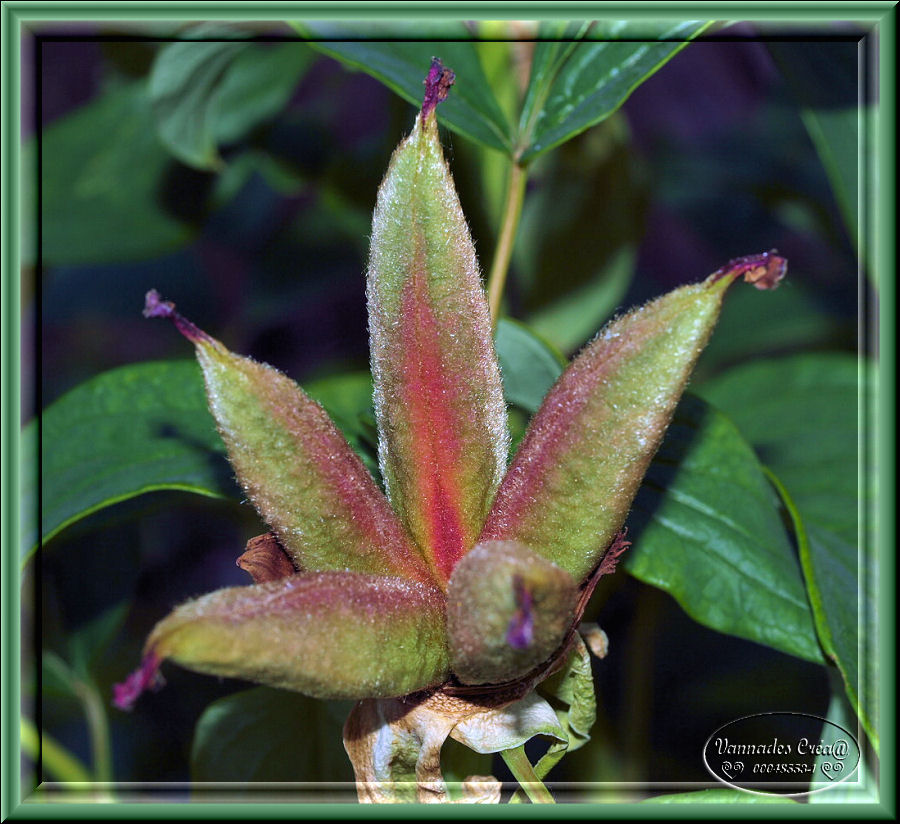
[156,307]
[437,85]
[145,677]
[764,271]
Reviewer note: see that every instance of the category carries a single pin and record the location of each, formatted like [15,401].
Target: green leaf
[573,688]
[802,416]
[707,530]
[861,788]
[278,175]
[58,680]
[528,364]
[131,430]
[265,734]
[101,173]
[823,78]
[557,40]
[92,639]
[573,88]
[790,316]
[147,427]
[571,281]
[389,52]
[212,92]
[723,796]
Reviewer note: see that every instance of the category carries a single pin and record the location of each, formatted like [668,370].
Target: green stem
[55,760]
[98,728]
[512,211]
[94,713]
[523,772]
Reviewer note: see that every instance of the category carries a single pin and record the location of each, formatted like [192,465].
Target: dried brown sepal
[387,739]
[265,559]
[481,789]
[595,638]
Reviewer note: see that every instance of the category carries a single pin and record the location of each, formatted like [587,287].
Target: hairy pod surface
[323,506]
[439,402]
[586,451]
[329,635]
[508,609]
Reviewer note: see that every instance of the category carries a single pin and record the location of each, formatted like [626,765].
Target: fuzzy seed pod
[508,609]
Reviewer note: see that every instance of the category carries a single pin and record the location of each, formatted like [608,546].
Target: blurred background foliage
[238,178]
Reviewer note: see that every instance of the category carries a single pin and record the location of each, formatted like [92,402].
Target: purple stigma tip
[437,85]
[156,307]
[520,633]
[763,271]
[145,677]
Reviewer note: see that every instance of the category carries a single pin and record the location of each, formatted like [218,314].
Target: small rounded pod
[508,609]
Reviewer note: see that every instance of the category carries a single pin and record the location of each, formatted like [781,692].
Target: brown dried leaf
[265,559]
[395,744]
[595,638]
[481,789]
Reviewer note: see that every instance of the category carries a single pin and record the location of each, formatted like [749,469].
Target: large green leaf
[529,365]
[147,427]
[396,54]
[802,415]
[131,430]
[581,72]
[792,317]
[570,276]
[854,788]
[205,93]
[264,734]
[823,76]
[101,173]
[573,87]
[707,530]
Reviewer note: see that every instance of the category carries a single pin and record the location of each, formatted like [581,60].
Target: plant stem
[521,768]
[512,211]
[98,728]
[55,759]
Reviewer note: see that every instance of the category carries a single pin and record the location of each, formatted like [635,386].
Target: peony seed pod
[442,436]
[508,609]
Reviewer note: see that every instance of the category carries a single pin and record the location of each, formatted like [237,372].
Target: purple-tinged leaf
[587,449]
[302,476]
[438,397]
[328,634]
